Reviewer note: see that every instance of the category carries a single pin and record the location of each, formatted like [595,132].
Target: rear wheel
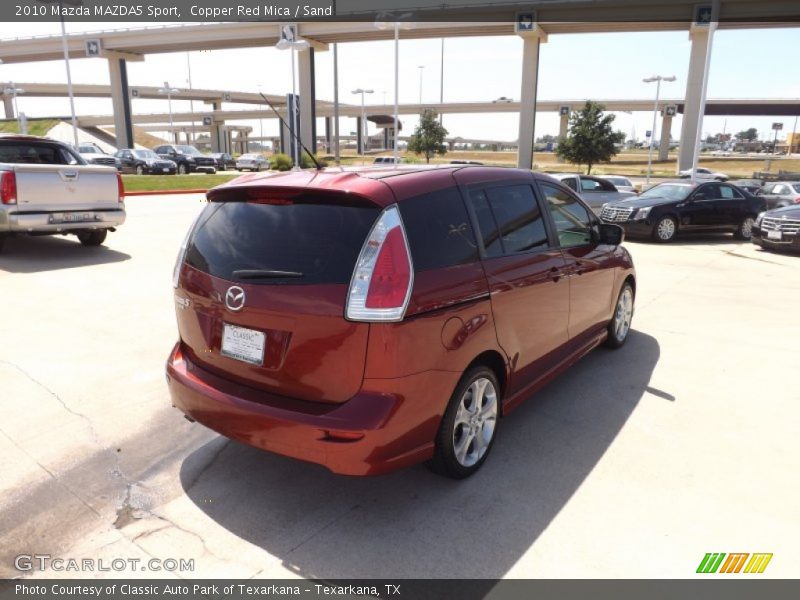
[92,238]
[2,241]
[181,169]
[665,229]
[139,170]
[744,231]
[620,324]
[468,428]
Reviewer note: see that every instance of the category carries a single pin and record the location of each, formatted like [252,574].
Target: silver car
[251,162]
[703,174]
[623,184]
[595,191]
[46,188]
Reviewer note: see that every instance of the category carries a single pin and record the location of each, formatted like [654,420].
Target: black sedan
[224,161]
[668,208]
[144,162]
[778,229]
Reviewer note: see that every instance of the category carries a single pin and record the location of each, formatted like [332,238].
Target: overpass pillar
[215,132]
[694,90]
[308,99]
[666,129]
[562,127]
[8,104]
[328,134]
[530,79]
[359,136]
[121,102]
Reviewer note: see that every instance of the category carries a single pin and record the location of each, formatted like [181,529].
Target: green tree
[591,139]
[428,138]
[748,134]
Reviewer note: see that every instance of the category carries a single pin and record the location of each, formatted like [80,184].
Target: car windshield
[190,150]
[38,154]
[88,150]
[249,156]
[145,154]
[796,187]
[618,181]
[672,191]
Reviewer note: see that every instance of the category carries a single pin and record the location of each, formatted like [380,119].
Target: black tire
[744,230]
[663,232]
[3,237]
[182,170]
[617,334]
[139,170]
[92,238]
[452,428]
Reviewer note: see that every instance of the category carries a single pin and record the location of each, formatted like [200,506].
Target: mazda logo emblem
[234,298]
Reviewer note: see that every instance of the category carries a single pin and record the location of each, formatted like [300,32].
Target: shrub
[307,163]
[281,162]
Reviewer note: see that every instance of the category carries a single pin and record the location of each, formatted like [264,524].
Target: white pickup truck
[46,188]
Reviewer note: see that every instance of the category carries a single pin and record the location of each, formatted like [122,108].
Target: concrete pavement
[634,463]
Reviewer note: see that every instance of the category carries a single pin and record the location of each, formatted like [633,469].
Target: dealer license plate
[774,235]
[71,217]
[165,170]
[240,343]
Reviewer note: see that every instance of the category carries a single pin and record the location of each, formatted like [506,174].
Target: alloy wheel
[746,230]
[476,419]
[623,314]
[665,229]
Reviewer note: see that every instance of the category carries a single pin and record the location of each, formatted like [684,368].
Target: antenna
[293,132]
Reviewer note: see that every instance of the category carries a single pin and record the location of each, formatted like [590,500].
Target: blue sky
[745,63]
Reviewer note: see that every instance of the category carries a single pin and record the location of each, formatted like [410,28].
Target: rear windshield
[37,154]
[321,242]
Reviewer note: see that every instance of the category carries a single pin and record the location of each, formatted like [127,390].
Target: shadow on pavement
[25,254]
[414,524]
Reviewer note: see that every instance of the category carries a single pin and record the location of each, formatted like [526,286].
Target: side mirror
[606,233]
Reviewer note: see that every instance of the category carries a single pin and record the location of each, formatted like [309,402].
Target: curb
[165,192]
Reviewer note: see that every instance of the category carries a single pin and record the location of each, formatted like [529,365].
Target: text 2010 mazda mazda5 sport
[369,320]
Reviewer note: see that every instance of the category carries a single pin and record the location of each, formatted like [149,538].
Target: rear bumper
[388,425]
[42,221]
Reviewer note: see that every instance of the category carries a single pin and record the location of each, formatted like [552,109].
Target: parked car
[751,185]
[704,174]
[778,229]
[94,155]
[188,158]
[145,162]
[623,184]
[465,162]
[781,193]
[224,161]
[251,162]
[595,191]
[369,320]
[669,208]
[386,160]
[47,188]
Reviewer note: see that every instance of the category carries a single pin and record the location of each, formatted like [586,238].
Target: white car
[704,174]
[94,155]
[251,162]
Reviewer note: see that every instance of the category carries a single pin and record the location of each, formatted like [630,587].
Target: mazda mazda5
[371,319]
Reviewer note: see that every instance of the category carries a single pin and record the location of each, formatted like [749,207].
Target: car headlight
[643,212]
[760,218]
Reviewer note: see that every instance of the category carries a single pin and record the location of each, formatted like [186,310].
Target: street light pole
[420,67]
[363,119]
[168,90]
[658,79]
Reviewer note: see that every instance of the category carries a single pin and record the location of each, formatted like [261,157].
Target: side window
[572,220]
[591,185]
[519,220]
[729,193]
[571,183]
[489,232]
[779,189]
[439,231]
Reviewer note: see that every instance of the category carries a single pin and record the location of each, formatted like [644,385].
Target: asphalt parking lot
[633,464]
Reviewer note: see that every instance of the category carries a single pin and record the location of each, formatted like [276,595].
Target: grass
[35,126]
[142,183]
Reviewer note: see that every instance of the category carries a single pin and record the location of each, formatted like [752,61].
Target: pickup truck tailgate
[65,187]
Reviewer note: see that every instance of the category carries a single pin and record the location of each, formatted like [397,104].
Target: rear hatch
[66,187]
[262,292]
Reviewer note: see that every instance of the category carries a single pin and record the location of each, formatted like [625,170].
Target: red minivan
[371,319]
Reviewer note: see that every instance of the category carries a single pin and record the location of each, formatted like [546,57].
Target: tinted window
[37,154]
[572,220]
[594,185]
[519,222]
[711,192]
[438,230]
[729,193]
[571,183]
[320,241]
[486,223]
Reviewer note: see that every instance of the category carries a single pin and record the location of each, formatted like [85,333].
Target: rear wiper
[264,274]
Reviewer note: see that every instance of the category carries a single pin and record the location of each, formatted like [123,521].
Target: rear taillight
[383,277]
[120,189]
[8,187]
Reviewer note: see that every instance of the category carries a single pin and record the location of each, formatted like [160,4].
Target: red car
[372,319]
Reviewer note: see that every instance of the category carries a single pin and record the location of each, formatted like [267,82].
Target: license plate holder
[71,217]
[774,235]
[243,344]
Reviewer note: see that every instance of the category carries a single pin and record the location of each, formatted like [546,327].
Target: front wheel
[620,324]
[3,237]
[665,229]
[92,238]
[744,231]
[468,427]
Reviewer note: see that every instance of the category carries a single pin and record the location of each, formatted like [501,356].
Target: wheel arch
[494,361]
